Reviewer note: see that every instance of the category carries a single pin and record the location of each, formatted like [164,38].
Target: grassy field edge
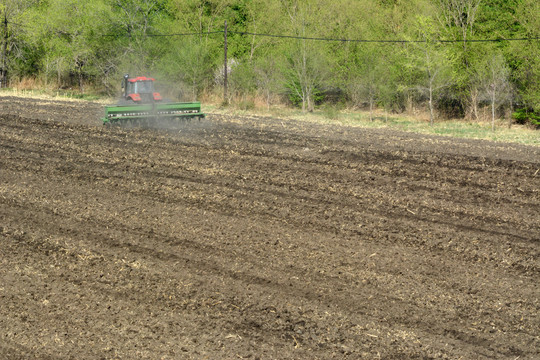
[457,128]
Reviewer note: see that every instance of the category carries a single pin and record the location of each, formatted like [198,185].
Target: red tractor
[139,90]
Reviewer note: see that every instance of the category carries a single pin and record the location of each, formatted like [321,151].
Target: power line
[338,40]
[315,38]
[341,40]
[378,41]
[186,34]
[164,35]
[321,39]
[490,40]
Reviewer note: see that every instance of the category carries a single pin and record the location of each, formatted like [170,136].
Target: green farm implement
[142,105]
[146,113]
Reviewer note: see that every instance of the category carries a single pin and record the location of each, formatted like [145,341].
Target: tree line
[430,54]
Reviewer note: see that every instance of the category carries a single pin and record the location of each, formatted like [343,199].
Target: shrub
[524,116]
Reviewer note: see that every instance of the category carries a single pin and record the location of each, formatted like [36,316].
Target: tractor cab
[139,90]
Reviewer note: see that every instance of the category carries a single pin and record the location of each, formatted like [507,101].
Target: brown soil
[260,238]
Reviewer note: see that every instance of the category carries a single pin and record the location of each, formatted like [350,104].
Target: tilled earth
[245,237]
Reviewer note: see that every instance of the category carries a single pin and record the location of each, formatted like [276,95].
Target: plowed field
[246,237]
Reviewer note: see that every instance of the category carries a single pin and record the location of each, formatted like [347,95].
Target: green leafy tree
[525,55]
[71,35]
[14,45]
[136,21]
[306,67]
[358,66]
[188,68]
[458,19]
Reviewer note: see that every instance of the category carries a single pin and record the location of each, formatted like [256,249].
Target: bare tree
[369,84]
[495,82]
[136,14]
[200,16]
[435,79]
[432,62]
[461,14]
[306,73]
[268,78]
[137,18]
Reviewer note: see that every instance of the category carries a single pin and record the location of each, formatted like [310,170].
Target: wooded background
[449,57]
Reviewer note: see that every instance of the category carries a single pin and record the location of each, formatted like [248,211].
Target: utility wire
[491,40]
[186,34]
[315,38]
[342,40]
[320,39]
[378,41]
[164,35]
[337,40]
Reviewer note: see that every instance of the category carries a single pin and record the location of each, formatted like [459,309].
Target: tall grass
[454,128]
[418,124]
